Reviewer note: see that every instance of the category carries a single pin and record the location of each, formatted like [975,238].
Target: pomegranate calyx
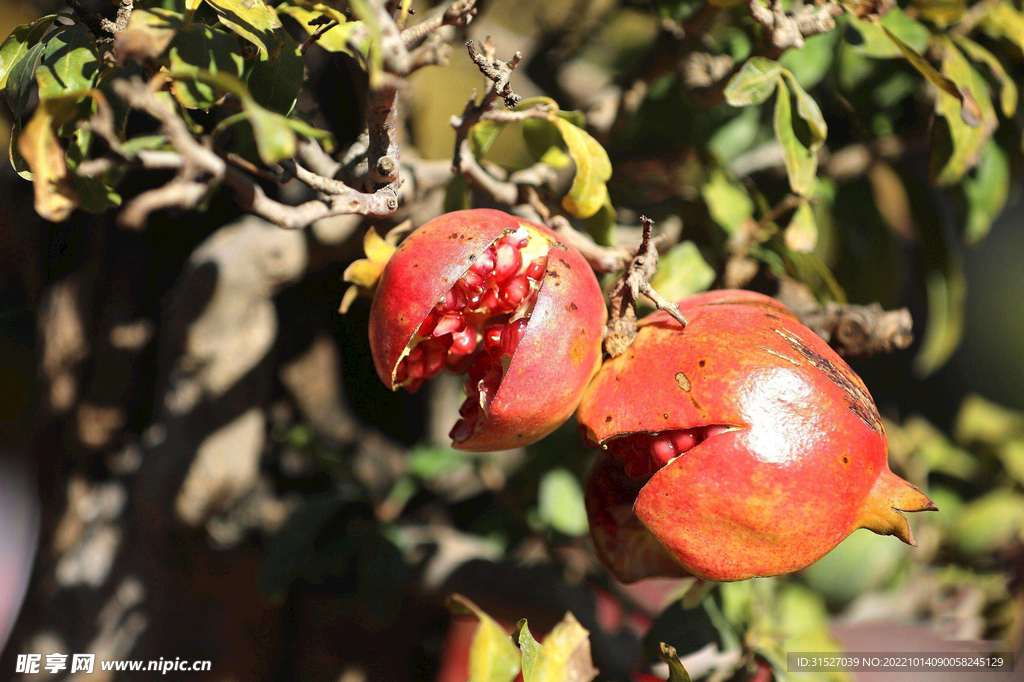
[883,507]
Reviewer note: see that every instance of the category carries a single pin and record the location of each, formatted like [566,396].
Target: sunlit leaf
[71,62]
[255,21]
[95,193]
[877,45]
[1006,21]
[801,234]
[956,146]
[983,421]
[801,161]
[564,656]
[602,225]
[492,655]
[969,111]
[754,83]
[309,16]
[593,169]
[1007,88]
[22,79]
[809,111]
[482,136]
[810,63]
[682,271]
[19,42]
[55,194]
[989,523]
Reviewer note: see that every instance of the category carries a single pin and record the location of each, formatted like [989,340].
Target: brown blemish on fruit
[607,419]
[845,460]
[701,363]
[683,382]
[665,416]
[861,403]
[694,401]
[779,355]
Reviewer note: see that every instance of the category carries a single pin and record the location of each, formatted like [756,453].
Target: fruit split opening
[642,454]
[477,325]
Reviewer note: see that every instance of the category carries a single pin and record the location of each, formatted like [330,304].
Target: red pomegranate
[740,446]
[506,302]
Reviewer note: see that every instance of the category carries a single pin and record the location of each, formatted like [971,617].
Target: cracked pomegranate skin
[556,356]
[800,464]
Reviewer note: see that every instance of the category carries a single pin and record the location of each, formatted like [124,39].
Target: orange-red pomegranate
[506,302]
[740,446]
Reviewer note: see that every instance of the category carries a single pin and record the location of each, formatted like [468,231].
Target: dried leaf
[55,195]
[676,671]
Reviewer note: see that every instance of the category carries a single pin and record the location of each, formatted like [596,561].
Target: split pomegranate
[502,300]
[740,446]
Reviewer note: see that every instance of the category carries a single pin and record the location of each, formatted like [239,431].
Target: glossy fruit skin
[804,465]
[557,355]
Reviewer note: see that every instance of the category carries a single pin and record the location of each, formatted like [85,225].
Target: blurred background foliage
[844,165]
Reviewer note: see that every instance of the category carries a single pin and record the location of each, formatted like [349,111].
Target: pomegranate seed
[490,301]
[470,410]
[484,263]
[461,431]
[458,363]
[434,362]
[683,440]
[428,324]
[512,335]
[451,322]
[535,270]
[415,355]
[519,239]
[492,338]
[479,368]
[508,262]
[454,300]
[515,290]
[413,385]
[662,449]
[489,385]
[417,367]
[402,371]
[464,342]
[471,282]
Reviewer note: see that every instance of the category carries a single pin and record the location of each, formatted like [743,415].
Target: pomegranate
[506,302]
[740,446]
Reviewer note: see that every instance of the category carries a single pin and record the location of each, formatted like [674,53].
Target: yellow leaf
[565,655]
[363,273]
[593,169]
[55,195]
[492,656]
[377,250]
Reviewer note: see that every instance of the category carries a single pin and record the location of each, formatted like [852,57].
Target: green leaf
[560,503]
[877,45]
[427,462]
[492,655]
[986,191]
[197,48]
[809,111]
[754,83]
[1007,89]
[22,79]
[728,202]
[811,63]
[1005,21]
[529,647]
[602,225]
[802,232]
[956,145]
[19,42]
[945,288]
[989,523]
[17,161]
[95,193]
[593,169]
[544,142]
[861,563]
[255,21]
[335,39]
[275,83]
[801,161]
[969,111]
[676,671]
[563,657]
[482,137]
[682,271]
[69,63]
[983,421]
